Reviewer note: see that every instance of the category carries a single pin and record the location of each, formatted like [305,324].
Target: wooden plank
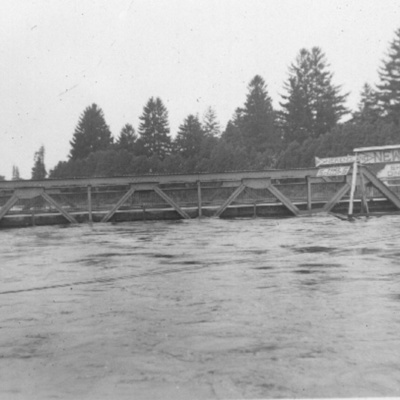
[230,199]
[285,201]
[50,200]
[257,183]
[337,197]
[7,207]
[381,187]
[377,148]
[121,201]
[171,203]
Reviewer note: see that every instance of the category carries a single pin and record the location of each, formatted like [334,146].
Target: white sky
[57,57]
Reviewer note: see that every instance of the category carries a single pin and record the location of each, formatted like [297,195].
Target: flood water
[201,309]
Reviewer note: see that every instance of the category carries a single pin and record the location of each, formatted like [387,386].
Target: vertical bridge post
[199,205]
[353,188]
[309,193]
[89,193]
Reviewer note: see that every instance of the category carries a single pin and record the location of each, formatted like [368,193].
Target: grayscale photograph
[199,199]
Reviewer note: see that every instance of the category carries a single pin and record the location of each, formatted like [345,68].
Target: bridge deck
[273,193]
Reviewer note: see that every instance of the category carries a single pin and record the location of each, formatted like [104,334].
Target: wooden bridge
[273,193]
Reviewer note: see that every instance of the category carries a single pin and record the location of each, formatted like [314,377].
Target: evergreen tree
[312,105]
[39,169]
[91,134]
[368,109]
[232,133]
[188,141]
[127,138]
[15,173]
[389,87]
[154,129]
[255,122]
[210,124]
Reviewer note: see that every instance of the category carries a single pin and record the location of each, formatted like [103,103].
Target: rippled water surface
[209,309]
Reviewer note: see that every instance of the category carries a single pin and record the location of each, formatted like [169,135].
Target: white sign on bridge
[380,155]
[334,160]
[389,171]
[333,171]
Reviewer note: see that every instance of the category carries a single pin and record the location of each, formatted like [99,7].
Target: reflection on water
[257,308]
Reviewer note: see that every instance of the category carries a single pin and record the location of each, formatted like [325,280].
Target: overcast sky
[59,56]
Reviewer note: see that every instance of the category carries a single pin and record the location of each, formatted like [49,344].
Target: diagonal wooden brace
[121,201]
[171,203]
[7,207]
[381,187]
[50,200]
[336,197]
[285,201]
[230,199]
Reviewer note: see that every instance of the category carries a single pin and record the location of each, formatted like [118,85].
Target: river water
[201,309]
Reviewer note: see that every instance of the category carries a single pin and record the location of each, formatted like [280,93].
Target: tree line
[309,123]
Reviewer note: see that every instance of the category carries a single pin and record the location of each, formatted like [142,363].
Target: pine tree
[154,129]
[312,105]
[127,138]
[210,123]
[389,87]
[15,173]
[39,169]
[91,134]
[188,141]
[368,108]
[256,120]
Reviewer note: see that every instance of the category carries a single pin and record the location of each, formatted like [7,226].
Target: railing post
[309,193]
[199,202]
[89,193]
[353,188]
